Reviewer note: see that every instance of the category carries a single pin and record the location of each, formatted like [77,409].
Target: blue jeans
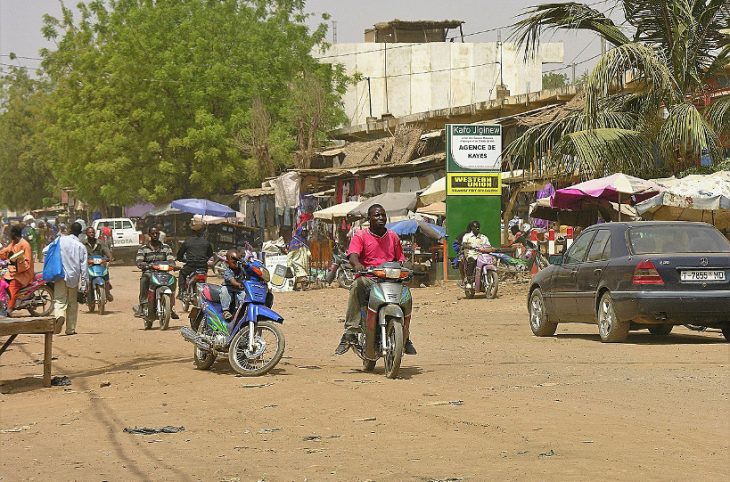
[226,297]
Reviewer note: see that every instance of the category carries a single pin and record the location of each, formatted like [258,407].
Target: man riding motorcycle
[368,248]
[153,251]
[473,243]
[195,253]
[97,247]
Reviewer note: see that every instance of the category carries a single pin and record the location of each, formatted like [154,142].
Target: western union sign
[474,184]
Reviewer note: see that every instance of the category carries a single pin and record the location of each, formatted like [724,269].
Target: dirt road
[483,400]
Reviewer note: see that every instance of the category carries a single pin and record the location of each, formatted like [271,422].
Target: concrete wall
[428,76]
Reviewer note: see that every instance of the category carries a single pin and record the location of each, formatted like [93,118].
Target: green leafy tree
[554,80]
[644,100]
[158,100]
[28,182]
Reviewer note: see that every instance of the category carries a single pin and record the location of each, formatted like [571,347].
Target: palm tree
[644,101]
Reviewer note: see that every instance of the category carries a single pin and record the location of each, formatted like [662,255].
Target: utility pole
[385,56]
[573,69]
[370,97]
[499,44]
[334,31]
[603,46]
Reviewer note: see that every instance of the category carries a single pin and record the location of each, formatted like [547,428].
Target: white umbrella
[691,198]
[239,218]
[436,192]
[336,211]
[435,209]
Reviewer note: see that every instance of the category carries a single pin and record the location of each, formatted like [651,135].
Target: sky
[20,22]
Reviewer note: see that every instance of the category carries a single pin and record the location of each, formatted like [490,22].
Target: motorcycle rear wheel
[166,310]
[43,295]
[394,350]
[203,359]
[253,367]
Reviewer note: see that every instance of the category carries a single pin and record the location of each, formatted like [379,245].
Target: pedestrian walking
[75,277]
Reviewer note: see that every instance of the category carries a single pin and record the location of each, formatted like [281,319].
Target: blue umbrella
[203,207]
[408,227]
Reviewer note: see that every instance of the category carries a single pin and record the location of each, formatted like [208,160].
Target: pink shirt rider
[373,250]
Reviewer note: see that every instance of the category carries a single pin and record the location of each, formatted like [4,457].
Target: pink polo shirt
[375,250]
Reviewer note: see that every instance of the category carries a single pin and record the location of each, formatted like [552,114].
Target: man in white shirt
[75,276]
[472,243]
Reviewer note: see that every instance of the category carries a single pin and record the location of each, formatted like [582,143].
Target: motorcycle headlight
[265,275]
[392,273]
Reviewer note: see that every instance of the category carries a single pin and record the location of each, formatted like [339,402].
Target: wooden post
[47,356]
[446,260]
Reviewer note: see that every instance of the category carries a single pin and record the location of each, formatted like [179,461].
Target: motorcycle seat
[212,293]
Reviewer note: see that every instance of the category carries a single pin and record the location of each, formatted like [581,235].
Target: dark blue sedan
[636,275]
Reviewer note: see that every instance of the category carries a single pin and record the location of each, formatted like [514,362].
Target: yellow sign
[474,184]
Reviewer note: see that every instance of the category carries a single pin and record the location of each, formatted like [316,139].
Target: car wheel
[726,332]
[611,329]
[539,321]
[660,330]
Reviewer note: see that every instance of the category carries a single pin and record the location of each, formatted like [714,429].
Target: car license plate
[688,275]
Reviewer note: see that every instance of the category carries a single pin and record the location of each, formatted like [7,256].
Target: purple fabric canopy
[617,188]
[138,210]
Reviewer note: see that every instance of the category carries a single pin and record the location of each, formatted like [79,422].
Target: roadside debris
[63,381]
[152,431]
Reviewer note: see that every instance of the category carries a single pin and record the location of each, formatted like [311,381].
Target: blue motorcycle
[96,296]
[252,337]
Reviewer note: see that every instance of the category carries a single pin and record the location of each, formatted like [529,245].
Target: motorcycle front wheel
[42,304]
[394,350]
[166,311]
[345,279]
[491,282]
[91,301]
[266,352]
[101,297]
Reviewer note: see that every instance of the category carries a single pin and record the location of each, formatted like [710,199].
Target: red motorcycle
[37,297]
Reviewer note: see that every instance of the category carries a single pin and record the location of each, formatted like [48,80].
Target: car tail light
[645,273]
[141,238]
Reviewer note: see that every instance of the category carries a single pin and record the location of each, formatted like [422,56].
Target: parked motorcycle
[387,320]
[189,292]
[159,295]
[218,263]
[484,278]
[251,338]
[340,270]
[36,297]
[96,295]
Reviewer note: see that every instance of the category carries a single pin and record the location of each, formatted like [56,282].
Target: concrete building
[400,79]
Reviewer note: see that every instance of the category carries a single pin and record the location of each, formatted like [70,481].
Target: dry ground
[522,408]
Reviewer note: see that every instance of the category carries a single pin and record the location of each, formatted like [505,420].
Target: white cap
[28,217]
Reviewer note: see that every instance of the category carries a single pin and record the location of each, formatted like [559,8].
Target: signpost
[474,179]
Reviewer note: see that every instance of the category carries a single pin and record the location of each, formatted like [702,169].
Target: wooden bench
[25,326]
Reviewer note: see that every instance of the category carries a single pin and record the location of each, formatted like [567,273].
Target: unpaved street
[483,400]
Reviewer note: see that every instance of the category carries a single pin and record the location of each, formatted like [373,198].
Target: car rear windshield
[677,238]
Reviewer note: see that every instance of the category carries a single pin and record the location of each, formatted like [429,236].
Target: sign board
[473,179]
[276,264]
[474,147]
[476,184]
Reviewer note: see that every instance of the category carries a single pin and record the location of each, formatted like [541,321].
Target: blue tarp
[408,227]
[203,207]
